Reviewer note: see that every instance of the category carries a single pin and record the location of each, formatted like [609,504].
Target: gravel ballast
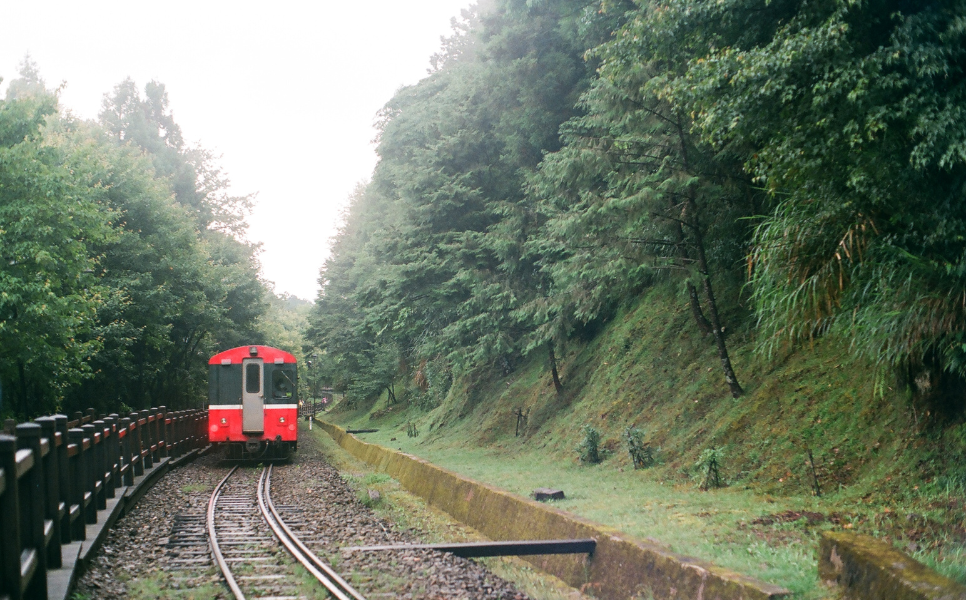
[144,557]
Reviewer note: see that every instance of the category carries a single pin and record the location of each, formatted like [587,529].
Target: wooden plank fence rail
[56,473]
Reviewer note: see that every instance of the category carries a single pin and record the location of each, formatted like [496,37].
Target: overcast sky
[285,91]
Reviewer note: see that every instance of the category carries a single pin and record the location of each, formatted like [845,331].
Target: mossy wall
[867,568]
[621,567]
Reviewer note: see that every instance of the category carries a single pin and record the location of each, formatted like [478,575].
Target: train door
[253,395]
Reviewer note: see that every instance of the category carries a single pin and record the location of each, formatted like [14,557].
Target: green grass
[159,585]
[195,487]
[711,525]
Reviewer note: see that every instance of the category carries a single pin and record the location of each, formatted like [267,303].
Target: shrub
[641,452]
[589,449]
[709,467]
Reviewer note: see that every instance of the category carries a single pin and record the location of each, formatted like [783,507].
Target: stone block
[870,569]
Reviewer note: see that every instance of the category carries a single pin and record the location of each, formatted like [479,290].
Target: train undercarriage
[260,450]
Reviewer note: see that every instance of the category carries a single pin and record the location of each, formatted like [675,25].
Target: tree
[632,194]
[185,284]
[851,115]
[48,225]
[197,181]
[433,261]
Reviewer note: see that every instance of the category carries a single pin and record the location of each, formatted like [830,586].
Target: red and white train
[253,402]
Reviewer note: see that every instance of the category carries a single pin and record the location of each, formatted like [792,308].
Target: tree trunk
[553,369]
[693,300]
[729,373]
[694,221]
[699,317]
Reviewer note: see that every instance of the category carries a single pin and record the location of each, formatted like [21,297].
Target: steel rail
[215,549]
[337,586]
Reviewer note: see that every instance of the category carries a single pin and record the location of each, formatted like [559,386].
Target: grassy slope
[650,368]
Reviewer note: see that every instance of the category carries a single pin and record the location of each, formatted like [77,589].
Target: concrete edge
[621,567]
[76,555]
[865,567]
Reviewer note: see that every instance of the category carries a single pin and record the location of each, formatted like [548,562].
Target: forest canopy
[124,260]
[795,169]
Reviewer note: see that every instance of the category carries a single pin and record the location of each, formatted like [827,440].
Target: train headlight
[224,421]
[214,428]
[281,419]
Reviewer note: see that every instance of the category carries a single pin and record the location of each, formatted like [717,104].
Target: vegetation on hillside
[810,422]
[735,227]
[794,170]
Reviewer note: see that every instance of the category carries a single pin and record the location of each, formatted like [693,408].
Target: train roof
[266,353]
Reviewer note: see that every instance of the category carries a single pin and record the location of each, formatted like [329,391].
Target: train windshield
[283,383]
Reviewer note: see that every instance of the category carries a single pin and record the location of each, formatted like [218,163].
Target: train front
[253,402]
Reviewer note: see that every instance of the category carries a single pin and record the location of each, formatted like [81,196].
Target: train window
[253,374]
[283,383]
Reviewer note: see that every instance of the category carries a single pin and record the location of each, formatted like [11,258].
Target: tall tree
[48,224]
[633,194]
[851,114]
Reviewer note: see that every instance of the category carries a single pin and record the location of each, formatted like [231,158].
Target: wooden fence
[57,473]
[312,408]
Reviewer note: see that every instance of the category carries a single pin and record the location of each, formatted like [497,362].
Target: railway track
[246,532]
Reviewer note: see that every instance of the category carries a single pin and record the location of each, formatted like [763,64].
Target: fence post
[136,445]
[78,486]
[113,452]
[145,436]
[10,546]
[84,475]
[195,429]
[103,466]
[174,435]
[52,490]
[183,431]
[164,437]
[95,463]
[190,426]
[63,478]
[33,492]
[156,435]
[126,451]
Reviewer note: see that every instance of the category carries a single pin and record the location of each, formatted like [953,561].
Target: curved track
[237,521]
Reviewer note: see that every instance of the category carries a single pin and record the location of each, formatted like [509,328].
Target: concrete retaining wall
[621,567]
[870,569]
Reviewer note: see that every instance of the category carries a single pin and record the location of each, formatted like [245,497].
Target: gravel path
[142,556]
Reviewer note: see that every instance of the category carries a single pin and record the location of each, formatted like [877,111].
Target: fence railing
[57,473]
[312,408]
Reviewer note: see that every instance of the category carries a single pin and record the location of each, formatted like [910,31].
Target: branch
[660,216]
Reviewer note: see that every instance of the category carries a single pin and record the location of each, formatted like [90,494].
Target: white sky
[285,91]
